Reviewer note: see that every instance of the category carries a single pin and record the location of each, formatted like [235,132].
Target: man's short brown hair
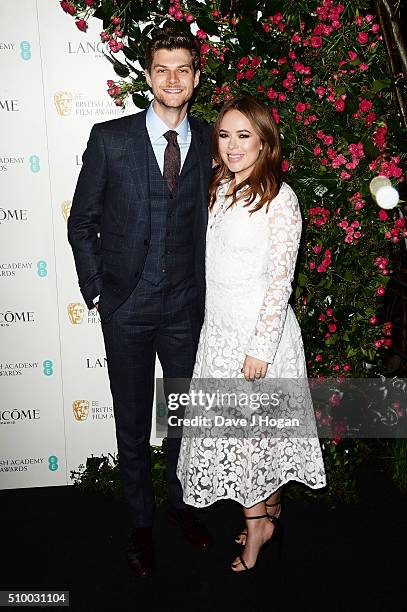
[170,38]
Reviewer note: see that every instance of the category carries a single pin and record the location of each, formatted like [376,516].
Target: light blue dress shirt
[156,129]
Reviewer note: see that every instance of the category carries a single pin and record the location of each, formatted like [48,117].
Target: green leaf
[271,7]
[370,149]
[140,101]
[121,70]
[302,279]
[208,26]
[225,6]
[245,35]
[380,84]
[130,54]
[134,33]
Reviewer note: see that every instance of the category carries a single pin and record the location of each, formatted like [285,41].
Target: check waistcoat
[170,257]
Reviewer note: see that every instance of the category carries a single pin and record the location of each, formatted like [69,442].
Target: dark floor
[347,558]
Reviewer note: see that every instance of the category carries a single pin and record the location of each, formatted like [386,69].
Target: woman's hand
[254,368]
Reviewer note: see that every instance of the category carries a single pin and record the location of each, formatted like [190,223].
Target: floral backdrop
[322,68]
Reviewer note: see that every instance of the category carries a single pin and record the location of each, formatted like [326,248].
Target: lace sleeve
[284,219]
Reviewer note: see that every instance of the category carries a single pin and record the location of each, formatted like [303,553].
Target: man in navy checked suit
[138,241]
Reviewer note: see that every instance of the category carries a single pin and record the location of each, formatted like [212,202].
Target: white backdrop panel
[56,407]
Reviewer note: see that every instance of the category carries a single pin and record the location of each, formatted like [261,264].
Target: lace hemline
[258,500]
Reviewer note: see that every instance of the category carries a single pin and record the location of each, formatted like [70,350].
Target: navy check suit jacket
[109,226]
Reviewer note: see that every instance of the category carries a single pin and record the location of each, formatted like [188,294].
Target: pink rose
[300,108]
[81,25]
[335,399]
[316,41]
[363,38]
[332,327]
[67,7]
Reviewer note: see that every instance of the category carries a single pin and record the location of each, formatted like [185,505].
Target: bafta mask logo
[76,312]
[63,103]
[66,209]
[80,409]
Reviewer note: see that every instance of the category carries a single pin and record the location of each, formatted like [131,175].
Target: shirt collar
[157,128]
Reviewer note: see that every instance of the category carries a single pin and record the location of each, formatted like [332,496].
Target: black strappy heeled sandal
[276,536]
[244,531]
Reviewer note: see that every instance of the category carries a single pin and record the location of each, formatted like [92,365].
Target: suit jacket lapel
[137,143]
[201,155]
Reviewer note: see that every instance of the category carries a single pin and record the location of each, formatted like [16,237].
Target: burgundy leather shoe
[140,556]
[191,527]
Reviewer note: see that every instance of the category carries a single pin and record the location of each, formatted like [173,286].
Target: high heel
[278,531]
[276,536]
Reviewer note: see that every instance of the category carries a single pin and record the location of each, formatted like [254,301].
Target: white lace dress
[250,262]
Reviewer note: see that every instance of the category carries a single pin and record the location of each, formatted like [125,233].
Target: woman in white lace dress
[249,330]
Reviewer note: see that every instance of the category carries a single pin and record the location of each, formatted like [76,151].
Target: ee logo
[34,163]
[42,268]
[25,50]
[53,463]
[48,367]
